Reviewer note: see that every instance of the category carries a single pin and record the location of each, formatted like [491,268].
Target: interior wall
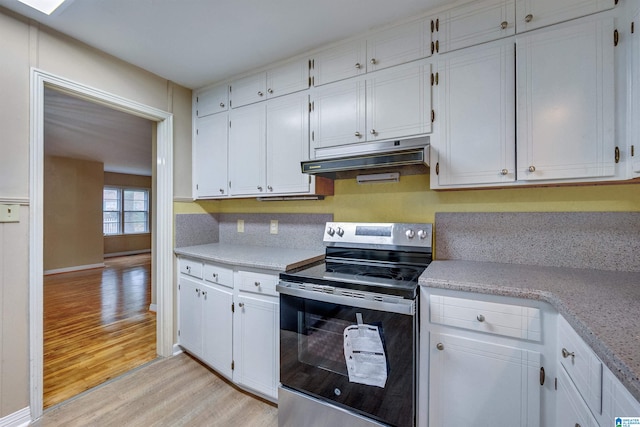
[24,45]
[128,243]
[72,214]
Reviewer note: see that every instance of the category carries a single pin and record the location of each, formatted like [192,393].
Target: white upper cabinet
[247,150]
[565,108]
[212,100]
[633,94]
[531,14]
[474,136]
[475,23]
[399,44]
[384,105]
[210,156]
[340,62]
[287,78]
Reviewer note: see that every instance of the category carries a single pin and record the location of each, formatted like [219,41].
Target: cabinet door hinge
[230,88]
[233,365]
[616,37]
[309,179]
[197,130]
[233,308]
[197,187]
[197,99]
[438,168]
[617,155]
[433,116]
[178,286]
[542,375]
[633,27]
[229,123]
[313,135]
[632,151]
[555,383]
[178,332]
[230,103]
[435,78]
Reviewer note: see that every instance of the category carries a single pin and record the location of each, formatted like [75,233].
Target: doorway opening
[162,219]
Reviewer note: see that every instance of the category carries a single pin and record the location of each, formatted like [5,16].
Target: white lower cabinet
[571,411]
[229,320]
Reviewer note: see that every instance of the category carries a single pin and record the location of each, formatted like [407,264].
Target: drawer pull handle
[566,353]
[480,318]
[256,284]
[440,346]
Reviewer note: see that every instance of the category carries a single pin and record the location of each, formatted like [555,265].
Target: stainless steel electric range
[349,329]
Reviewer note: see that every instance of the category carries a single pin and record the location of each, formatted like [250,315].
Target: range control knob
[330,231]
[410,234]
[340,231]
[422,234]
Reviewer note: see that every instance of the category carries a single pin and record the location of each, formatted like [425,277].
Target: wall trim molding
[74,268]
[125,253]
[17,419]
[162,238]
[22,201]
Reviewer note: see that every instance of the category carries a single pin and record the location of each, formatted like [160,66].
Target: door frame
[162,228]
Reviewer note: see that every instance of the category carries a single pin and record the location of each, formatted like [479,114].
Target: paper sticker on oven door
[364,353]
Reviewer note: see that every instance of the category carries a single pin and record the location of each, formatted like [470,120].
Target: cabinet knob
[259,188]
[358,134]
[256,284]
[215,276]
[504,172]
[504,25]
[373,132]
[373,61]
[260,93]
[532,168]
[221,191]
[222,104]
[270,90]
[480,318]
[204,294]
[270,188]
[566,353]
[188,268]
[358,65]
[440,346]
[241,305]
[528,18]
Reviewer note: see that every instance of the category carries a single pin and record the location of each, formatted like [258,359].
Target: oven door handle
[400,305]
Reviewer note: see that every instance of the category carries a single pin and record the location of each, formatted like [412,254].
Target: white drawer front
[191,267]
[582,365]
[258,283]
[217,274]
[494,318]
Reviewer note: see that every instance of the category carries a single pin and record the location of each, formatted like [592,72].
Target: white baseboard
[153,307]
[114,254]
[75,268]
[17,419]
[177,349]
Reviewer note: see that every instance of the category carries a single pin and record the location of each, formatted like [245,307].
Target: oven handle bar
[401,306]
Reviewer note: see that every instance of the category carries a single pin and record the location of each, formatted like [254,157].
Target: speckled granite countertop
[602,306]
[265,257]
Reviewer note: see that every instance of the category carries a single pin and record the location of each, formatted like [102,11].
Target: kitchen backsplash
[297,231]
[600,240]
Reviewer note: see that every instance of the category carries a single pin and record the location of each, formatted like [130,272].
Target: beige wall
[72,213]
[23,46]
[128,242]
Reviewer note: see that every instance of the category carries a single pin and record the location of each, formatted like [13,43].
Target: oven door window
[312,357]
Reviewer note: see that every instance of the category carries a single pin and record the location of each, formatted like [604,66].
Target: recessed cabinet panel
[247,146]
[340,62]
[474,136]
[475,23]
[570,408]
[565,92]
[248,90]
[288,78]
[217,328]
[212,100]
[339,114]
[190,315]
[399,44]
[531,14]
[399,102]
[210,156]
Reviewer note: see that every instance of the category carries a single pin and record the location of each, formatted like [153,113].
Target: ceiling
[192,43]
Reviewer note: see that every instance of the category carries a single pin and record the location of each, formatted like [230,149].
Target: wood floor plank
[97,326]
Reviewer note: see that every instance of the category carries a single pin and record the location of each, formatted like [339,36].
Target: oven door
[312,353]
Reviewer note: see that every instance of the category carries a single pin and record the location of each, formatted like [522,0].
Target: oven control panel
[397,234]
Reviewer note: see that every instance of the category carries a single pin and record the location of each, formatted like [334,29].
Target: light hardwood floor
[97,326]
[176,391]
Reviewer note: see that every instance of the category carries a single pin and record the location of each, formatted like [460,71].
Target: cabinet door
[475,144]
[475,23]
[213,100]
[210,156]
[340,62]
[399,102]
[248,90]
[634,100]
[399,44]
[474,382]
[217,330]
[288,78]
[190,315]
[256,345]
[570,408]
[287,144]
[565,92]
[532,14]
[247,145]
[338,116]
